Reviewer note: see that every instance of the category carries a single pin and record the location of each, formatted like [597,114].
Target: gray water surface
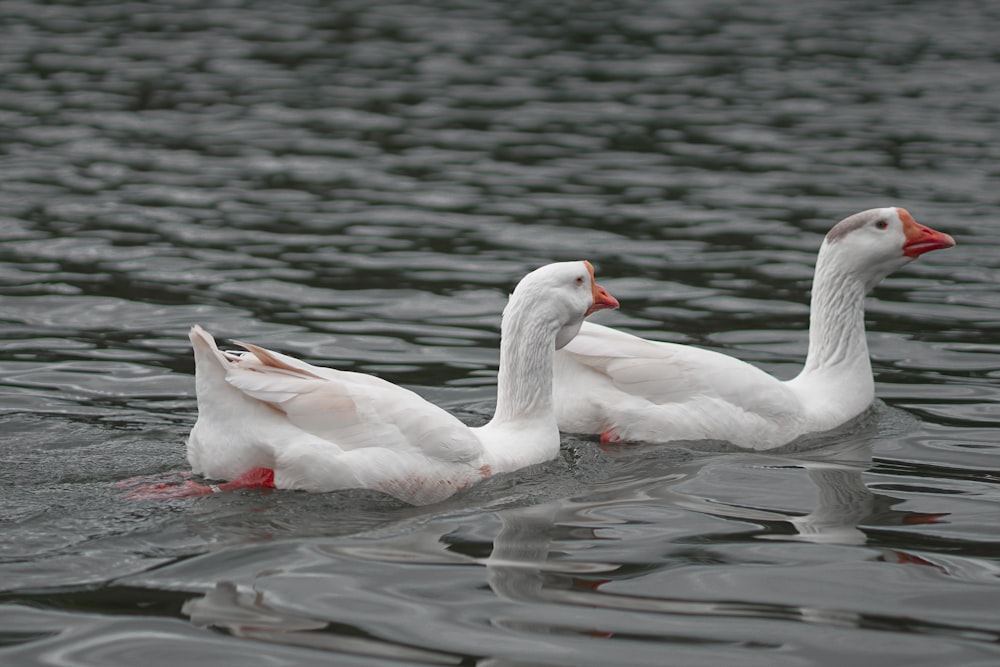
[360,184]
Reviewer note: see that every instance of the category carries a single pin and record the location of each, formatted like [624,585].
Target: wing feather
[668,372]
[352,410]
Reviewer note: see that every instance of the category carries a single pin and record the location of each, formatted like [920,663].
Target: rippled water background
[360,183]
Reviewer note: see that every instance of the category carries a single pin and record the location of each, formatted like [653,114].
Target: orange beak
[920,239]
[602,300]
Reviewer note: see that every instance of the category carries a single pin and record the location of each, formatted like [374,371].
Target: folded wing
[352,410]
[680,391]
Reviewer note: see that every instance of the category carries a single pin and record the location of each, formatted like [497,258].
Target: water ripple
[361,184]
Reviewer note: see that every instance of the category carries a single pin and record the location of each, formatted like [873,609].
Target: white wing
[352,410]
[610,380]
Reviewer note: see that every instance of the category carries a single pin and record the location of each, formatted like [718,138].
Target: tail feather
[209,360]
[232,430]
[276,360]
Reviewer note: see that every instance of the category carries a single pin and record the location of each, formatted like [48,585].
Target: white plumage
[627,388]
[321,429]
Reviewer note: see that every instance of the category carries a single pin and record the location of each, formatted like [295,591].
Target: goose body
[321,429]
[624,387]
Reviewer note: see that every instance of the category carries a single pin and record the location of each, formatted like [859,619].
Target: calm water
[360,184]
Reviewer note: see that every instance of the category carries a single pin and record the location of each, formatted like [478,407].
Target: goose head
[561,295]
[874,243]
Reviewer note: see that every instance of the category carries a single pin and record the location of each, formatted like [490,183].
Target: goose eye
[579,280]
[881,224]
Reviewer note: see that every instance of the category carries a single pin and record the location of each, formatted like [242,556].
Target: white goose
[268,420]
[626,388]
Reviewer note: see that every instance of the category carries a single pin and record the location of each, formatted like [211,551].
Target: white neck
[836,319]
[523,430]
[837,377]
[527,350]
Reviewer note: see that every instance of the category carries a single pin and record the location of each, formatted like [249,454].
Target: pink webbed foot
[611,442]
[165,479]
[256,478]
[166,490]
[609,437]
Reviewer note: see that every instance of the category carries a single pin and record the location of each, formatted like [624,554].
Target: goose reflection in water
[544,573]
[522,567]
[244,611]
[845,503]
